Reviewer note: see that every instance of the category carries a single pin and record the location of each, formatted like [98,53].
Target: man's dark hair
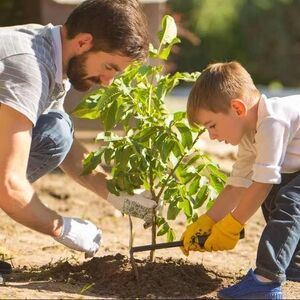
[116,26]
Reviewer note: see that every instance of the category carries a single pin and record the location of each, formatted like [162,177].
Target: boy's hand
[137,205]
[224,235]
[202,226]
[80,235]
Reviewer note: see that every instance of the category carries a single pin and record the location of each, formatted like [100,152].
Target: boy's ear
[239,107]
[83,42]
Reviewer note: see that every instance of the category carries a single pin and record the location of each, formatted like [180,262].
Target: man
[99,39]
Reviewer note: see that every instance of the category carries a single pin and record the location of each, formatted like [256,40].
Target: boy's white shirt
[274,147]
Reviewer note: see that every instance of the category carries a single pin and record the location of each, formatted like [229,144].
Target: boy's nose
[212,136]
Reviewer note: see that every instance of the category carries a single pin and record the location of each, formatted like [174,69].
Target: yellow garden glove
[224,235]
[201,227]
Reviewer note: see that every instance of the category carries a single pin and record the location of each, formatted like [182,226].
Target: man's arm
[138,205]
[72,165]
[18,199]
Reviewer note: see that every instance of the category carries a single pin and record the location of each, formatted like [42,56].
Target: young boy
[267,173]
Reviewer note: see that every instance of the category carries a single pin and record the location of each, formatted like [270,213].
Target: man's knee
[52,138]
[62,133]
[53,133]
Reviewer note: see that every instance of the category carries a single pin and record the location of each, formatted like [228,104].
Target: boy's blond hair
[217,85]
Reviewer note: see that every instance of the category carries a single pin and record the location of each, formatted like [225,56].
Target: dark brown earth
[113,276]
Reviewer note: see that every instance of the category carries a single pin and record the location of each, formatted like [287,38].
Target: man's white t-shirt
[273,148]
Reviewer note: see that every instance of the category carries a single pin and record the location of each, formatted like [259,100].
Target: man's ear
[83,42]
[239,107]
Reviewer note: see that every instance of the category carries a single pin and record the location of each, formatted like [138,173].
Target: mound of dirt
[114,276]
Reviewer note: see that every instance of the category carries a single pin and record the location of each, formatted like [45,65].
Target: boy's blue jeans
[52,138]
[279,245]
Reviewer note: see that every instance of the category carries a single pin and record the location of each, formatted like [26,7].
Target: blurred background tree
[13,12]
[264,35]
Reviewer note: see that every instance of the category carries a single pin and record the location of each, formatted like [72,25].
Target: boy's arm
[227,200]
[252,199]
[242,202]
[225,233]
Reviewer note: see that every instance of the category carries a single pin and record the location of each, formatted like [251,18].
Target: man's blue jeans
[279,245]
[52,138]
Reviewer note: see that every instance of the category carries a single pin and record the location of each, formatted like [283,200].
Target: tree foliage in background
[157,150]
[16,12]
[263,35]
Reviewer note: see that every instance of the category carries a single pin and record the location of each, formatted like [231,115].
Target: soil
[44,269]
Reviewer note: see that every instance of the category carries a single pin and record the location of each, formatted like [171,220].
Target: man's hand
[224,235]
[137,205]
[80,235]
[201,227]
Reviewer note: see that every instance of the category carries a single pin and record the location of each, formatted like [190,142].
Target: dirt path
[66,274]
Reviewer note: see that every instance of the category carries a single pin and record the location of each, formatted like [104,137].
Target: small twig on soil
[132,261]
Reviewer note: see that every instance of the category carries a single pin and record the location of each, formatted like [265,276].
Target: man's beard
[77,74]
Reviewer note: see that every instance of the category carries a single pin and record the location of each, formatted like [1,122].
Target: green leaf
[145,134]
[160,140]
[169,192]
[216,182]
[210,203]
[130,72]
[178,149]
[111,116]
[186,135]
[169,144]
[187,77]
[108,136]
[163,229]
[165,52]
[145,69]
[193,160]
[152,51]
[169,30]
[179,115]
[135,179]
[109,95]
[111,186]
[88,108]
[160,221]
[86,287]
[186,206]
[201,196]
[171,235]
[91,161]
[122,156]
[108,154]
[173,211]
[123,183]
[216,172]
[194,186]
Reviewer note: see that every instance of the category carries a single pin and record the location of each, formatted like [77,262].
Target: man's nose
[106,81]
